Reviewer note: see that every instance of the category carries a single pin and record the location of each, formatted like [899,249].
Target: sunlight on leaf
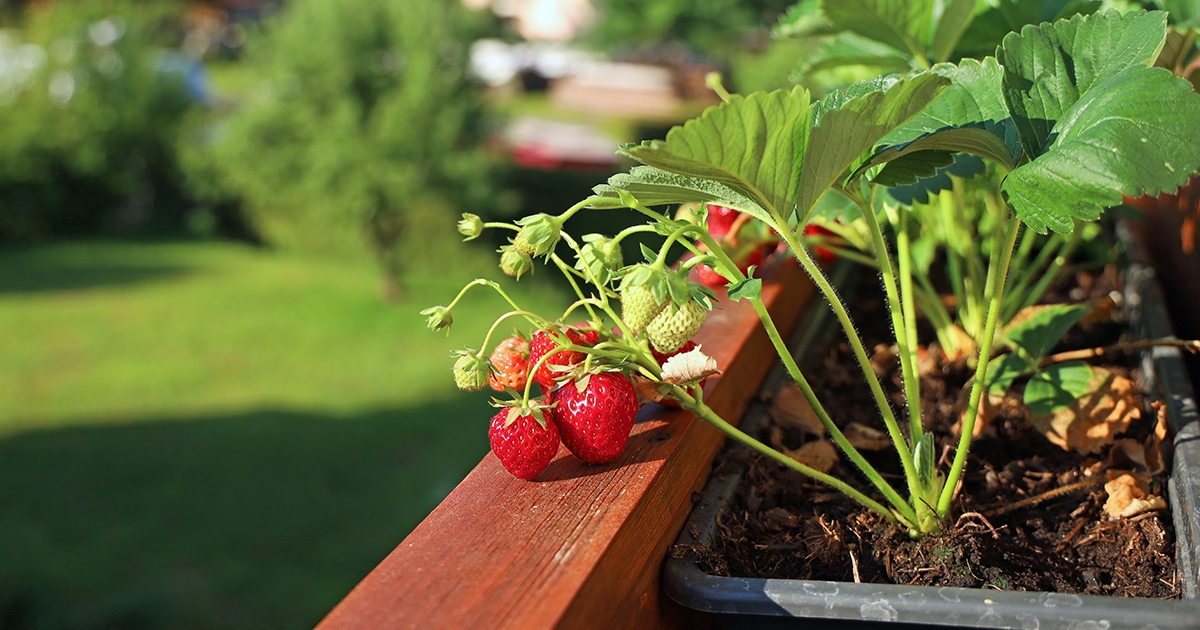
[751,144]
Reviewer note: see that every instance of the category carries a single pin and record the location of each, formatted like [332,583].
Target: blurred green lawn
[208,435]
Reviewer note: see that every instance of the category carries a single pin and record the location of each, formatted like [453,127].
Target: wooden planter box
[581,546]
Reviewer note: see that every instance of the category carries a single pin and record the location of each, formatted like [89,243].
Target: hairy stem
[997,274]
[708,415]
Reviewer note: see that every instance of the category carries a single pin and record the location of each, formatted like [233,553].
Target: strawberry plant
[1072,116]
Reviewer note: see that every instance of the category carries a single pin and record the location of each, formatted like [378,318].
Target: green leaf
[836,207]
[901,24]
[925,460]
[936,148]
[1057,387]
[916,166]
[974,96]
[750,288]
[951,25]
[965,166]
[1047,68]
[1135,133]
[850,49]
[656,187]
[989,28]
[848,128]
[803,19]
[1005,369]
[752,145]
[1037,329]
[1184,13]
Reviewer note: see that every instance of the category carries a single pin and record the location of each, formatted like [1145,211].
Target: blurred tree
[711,26]
[364,117]
[90,103]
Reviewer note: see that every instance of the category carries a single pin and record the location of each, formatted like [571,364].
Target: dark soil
[781,524]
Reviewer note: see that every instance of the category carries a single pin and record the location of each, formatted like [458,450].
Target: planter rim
[1165,379]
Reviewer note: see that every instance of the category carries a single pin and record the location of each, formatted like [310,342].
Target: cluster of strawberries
[591,412]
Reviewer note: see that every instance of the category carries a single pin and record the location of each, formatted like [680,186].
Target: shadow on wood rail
[581,546]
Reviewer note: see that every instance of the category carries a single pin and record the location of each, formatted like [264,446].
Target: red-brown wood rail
[580,546]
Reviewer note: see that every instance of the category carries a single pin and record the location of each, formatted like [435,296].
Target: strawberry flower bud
[538,236]
[601,256]
[471,370]
[514,263]
[471,226]
[438,317]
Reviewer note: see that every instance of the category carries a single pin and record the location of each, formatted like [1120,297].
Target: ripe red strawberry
[510,364]
[710,278]
[595,415]
[720,219]
[590,337]
[661,358]
[824,254]
[522,444]
[543,344]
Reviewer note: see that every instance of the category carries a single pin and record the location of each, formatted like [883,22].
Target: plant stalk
[997,274]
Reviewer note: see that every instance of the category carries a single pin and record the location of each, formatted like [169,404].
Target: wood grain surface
[580,546]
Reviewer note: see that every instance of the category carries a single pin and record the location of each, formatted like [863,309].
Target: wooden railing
[581,546]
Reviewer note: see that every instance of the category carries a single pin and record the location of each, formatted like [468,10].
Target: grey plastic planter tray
[759,603]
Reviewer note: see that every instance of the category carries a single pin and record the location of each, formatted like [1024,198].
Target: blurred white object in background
[618,89]
[541,20]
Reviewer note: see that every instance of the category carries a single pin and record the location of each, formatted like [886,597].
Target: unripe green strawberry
[675,325]
[639,306]
[514,263]
[471,370]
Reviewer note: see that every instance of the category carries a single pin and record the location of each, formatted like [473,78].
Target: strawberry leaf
[751,144]
[656,187]
[850,49]
[847,125]
[1057,386]
[901,24]
[804,18]
[1135,133]
[951,25]
[1037,329]
[1048,67]
[1005,369]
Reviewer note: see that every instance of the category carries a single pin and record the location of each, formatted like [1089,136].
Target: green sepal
[470,226]
[539,234]
[600,256]
[514,263]
[750,288]
[438,317]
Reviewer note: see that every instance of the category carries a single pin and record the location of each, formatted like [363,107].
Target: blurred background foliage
[209,418]
[90,109]
[363,119]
